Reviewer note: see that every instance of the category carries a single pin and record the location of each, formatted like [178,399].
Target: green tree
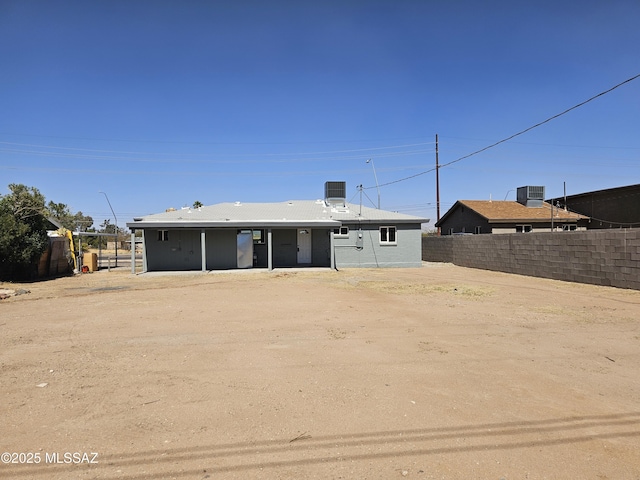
[23,231]
[70,221]
[197,204]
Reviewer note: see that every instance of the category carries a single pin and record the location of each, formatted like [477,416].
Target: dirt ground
[438,372]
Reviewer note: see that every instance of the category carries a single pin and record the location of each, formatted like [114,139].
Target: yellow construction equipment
[69,235]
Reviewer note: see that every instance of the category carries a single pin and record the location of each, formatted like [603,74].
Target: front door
[304,245]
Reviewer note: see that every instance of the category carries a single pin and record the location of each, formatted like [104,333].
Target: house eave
[382,221]
[234,224]
[532,220]
[323,223]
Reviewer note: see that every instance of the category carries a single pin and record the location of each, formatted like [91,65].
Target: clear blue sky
[160,104]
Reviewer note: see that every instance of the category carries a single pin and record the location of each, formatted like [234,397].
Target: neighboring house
[528,214]
[323,233]
[611,208]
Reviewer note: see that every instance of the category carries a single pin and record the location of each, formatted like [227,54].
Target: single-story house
[609,208]
[528,214]
[325,233]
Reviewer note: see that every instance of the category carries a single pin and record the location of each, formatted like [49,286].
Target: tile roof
[307,212]
[506,211]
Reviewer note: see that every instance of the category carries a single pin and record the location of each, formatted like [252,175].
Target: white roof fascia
[299,213]
[235,224]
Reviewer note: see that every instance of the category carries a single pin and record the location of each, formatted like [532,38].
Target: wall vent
[531,196]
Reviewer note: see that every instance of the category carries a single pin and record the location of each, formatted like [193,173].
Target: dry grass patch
[399,288]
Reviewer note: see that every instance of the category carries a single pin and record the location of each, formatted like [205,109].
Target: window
[341,232]
[258,237]
[163,235]
[523,228]
[451,231]
[569,228]
[388,236]
[478,230]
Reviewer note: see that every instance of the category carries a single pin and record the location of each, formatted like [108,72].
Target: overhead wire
[624,196]
[180,157]
[511,136]
[114,156]
[174,142]
[182,173]
[185,159]
[294,154]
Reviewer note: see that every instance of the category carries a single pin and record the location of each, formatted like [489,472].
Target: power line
[369,149]
[212,159]
[621,147]
[512,136]
[184,172]
[347,155]
[174,142]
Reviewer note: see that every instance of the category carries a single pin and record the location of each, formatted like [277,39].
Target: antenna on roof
[376,177]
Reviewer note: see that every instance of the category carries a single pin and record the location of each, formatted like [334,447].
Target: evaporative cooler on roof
[531,196]
[335,192]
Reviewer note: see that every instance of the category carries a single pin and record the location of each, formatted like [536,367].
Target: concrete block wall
[437,249]
[600,257]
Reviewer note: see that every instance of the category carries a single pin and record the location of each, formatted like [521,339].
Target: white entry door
[304,245]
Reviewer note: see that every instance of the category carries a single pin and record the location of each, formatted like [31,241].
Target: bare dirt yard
[435,372]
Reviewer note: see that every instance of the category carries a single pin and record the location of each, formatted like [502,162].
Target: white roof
[304,213]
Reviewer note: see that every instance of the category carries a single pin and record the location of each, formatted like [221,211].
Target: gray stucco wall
[320,248]
[405,254]
[222,247]
[180,252]
[600,257]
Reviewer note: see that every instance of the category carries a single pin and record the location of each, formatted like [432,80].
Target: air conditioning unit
[335,193]
[530,196]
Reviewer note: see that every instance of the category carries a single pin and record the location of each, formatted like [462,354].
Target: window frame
[163,235]
[341,233]
[525,228]
[388,229]
[261,240]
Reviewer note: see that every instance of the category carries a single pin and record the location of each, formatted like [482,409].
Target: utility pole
[437,185]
